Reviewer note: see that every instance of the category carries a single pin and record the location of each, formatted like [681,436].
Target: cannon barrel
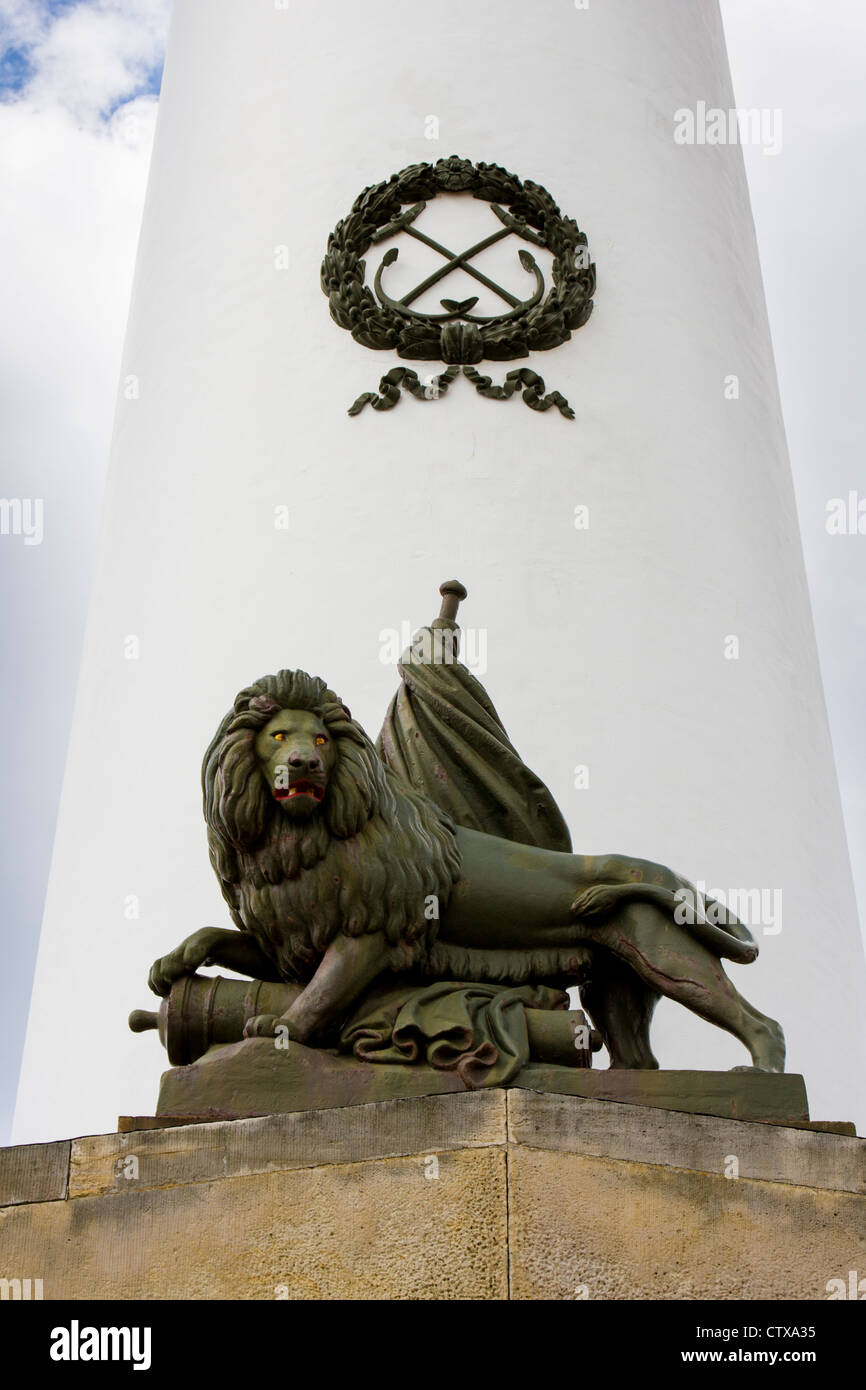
[203,1010]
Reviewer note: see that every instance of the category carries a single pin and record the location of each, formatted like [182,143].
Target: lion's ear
[263,704]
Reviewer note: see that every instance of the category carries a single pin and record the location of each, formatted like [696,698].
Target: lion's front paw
[165,971]
[184,960]
[261,1026]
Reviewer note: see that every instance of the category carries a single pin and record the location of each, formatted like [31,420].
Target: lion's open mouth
[313,789]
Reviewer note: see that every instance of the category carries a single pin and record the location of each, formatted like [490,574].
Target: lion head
[310,833]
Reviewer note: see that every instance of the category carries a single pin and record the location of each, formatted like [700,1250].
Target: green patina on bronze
[485,1033]
[437,859]
[457,336]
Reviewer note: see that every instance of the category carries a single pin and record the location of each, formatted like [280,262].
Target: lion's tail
[715,926]
[733,941]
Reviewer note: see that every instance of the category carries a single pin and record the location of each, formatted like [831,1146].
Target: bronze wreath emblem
[457,336]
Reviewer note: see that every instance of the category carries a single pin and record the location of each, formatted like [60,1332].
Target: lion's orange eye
[320,739]
[281,738]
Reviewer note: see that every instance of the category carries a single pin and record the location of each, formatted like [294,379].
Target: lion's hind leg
[621,1006]
[672,962]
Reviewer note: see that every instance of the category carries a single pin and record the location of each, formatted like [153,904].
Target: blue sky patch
[15,69]
[17,66]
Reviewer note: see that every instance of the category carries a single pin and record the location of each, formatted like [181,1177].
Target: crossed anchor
[461,261]
[521,379]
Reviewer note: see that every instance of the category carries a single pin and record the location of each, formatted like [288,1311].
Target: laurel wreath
[532,214]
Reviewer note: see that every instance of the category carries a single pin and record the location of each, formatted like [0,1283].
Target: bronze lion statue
[338,871]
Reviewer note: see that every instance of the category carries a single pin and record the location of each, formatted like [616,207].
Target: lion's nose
[310,761]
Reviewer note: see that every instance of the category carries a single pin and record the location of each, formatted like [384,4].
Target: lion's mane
[370,860]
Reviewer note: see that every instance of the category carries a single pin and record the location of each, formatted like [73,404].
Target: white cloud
[94,56]
[21,22]
[75,142]
[73,181]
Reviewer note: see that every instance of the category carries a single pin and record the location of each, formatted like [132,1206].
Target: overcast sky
[78,93]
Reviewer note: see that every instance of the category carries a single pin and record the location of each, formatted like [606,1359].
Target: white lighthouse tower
[637,605]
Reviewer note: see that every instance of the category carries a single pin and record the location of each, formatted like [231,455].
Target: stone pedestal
[253,1078]
[482,1195]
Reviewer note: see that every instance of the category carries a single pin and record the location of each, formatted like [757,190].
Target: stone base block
[480,1195]
[256,1078]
